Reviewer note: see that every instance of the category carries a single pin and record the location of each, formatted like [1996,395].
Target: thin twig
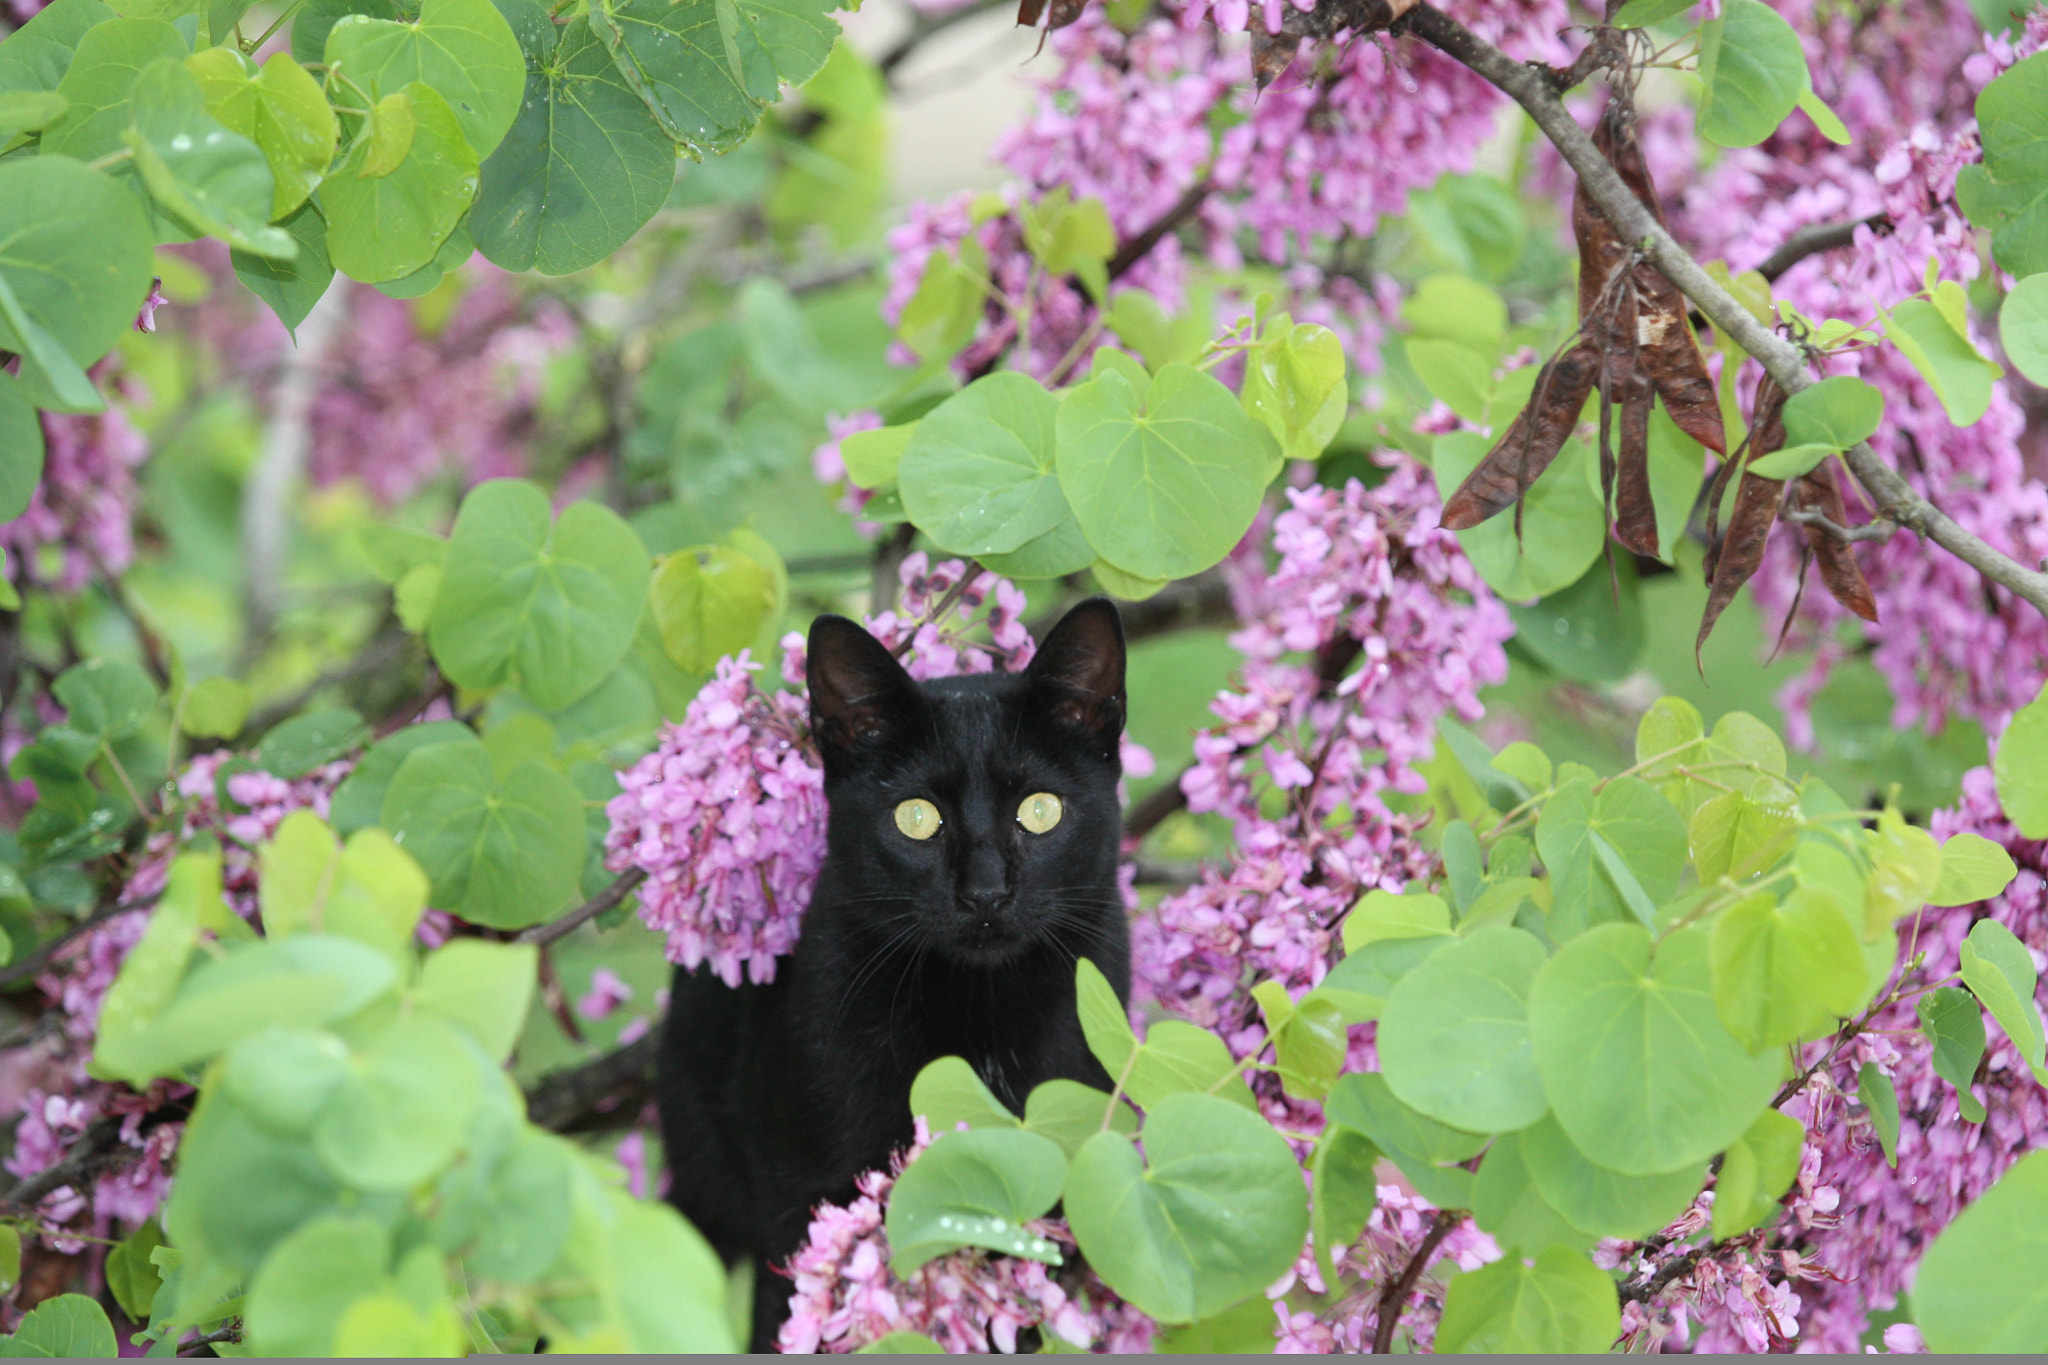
[1815,238]
[213,1338]
[1148,814]
[384,649]
[621,887]
[28,966]
[1138,247]
[1844,1035]
[555,1000]
[1396,1294]
[1895,499]
[565,1100]
[927,27]
[1677,1267]
[1880,529]
[1148,873]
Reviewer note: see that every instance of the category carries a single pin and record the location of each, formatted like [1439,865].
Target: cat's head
[975,816]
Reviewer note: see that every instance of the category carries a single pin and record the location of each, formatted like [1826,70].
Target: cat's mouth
[985,941]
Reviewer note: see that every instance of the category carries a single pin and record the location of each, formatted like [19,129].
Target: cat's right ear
[859,693]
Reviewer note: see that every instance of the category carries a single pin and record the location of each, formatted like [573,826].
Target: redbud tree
[1574,479]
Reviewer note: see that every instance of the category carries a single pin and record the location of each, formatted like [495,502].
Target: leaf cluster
[1584,1023]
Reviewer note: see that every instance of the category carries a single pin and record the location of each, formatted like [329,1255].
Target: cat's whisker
[873,963]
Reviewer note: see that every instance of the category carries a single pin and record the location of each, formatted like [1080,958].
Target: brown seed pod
[1531,442]
[1819,491]
[1733,559]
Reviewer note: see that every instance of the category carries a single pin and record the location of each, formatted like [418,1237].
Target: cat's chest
[1012,1043]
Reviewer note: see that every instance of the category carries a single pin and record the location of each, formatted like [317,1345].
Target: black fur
[774,1098]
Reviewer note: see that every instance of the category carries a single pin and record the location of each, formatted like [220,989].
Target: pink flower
[607,993]
[845,1295]
[145,321]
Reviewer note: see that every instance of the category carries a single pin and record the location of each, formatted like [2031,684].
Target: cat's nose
[985,904]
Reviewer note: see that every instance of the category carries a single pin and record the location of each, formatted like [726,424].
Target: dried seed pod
[1635,513]
[1065,12]
[1271,54]
[1531,442]
[1733,559]
[1663,328]
[1818,490]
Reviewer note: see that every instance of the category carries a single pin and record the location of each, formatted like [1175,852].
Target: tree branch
[84,1158]
[1138,247]
[621,887]
[98,1150]
[1203,600]
[563,1100]
[384,651]
[1396,1294]
[230,1333]
[1632,220]
[925,27]
[890,552]
[1193,602]
[1876,530]
[1148,814]
[34,962]
[1816,238]
[1677,1267]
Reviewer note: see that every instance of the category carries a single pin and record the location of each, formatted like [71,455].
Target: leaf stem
[284,16]
[127,782]
[1734,895]
[1117,1091]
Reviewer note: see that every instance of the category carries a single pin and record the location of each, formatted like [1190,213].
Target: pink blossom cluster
[1370,626]
[404,399]
[727,815]
[828,463]
[46,1083]
[406,391]
[1143,120]
[1904,79]
[80,522]
[245,808]
[727,819]
[1400,1222]
[1738,1293]
[1887,1216]
[1856,1226]
[607,992]
[970,1302]
[1044,317]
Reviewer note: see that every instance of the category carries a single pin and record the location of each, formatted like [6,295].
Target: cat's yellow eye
[1039,812]
[919,818]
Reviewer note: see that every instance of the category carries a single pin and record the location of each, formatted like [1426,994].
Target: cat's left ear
[1078,673]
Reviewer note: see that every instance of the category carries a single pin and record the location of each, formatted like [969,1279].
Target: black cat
[971,856]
